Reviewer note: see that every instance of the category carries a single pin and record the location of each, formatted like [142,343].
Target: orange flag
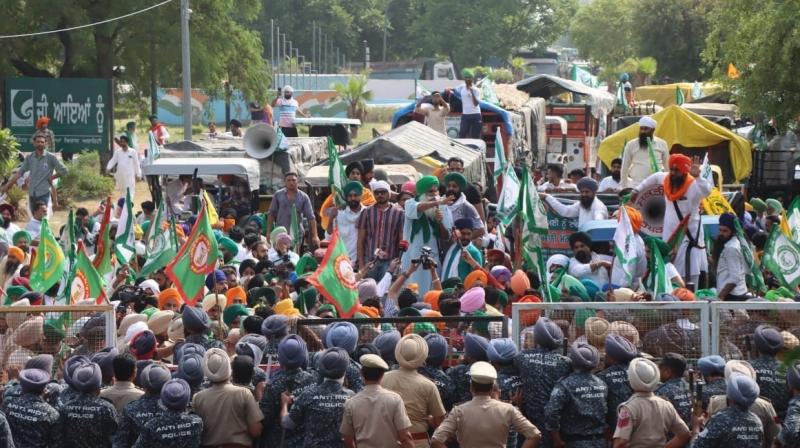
[733,72]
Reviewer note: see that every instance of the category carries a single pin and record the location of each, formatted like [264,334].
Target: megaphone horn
[260,141]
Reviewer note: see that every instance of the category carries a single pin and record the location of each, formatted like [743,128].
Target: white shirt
[636,161]
[467,106]
[619,278]
[128,168]
[9,233]
[563,185]
[608,184]
[731,268]
[584,270]
[346,221]
[34,227]
[175,193]
[598,211]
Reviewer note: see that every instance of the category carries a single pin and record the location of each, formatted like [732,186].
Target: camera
[425,258]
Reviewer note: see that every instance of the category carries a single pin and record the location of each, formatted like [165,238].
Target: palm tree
[355,93]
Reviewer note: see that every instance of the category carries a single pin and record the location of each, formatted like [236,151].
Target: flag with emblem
[336,176]
[162,243]
[755,278]
[626,245]
[782,258]
[793,218]
[48,265]
[533,220]
[196,259]
[335,278]
[507,202]
[85,282]
[102,252]
[124,241]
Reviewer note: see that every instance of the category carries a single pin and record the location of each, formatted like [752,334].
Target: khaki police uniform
[646,419]
[421,399]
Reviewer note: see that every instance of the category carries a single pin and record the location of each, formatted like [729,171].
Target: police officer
[190,369]
[274,328]
[174,428]
[87,421]
[52,390]
[474,351]
[291,378]
[483,422]
[770,376]
[540,369]
[345,335]
[195,326]
[68,390]
[674,388]
[790,432]
[34,423]
[713,369]
[432,370]
[501,353]
[734,426]
[320,407]
[645,420]
[386,341]
[6,439]
[619,353]
[138,412]
[576,412]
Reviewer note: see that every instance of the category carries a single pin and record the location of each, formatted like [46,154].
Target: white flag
[509,196]
[625,245]
[124,242]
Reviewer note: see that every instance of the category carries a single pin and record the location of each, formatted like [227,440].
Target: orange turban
[474,277]
[169,294]
[681,162]
[528,318]
[370,311]
[432,298]
[233,293]
[520,282]
[17,253]
[42,121]
[635,218]
[684,295]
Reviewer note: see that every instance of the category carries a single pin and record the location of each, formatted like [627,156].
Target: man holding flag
[684,189]
[644,156]
[729,260]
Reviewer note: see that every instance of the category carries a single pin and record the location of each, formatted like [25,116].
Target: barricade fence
[27,331]
[733,323]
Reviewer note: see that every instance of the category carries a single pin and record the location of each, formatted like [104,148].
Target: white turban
[643,375]
[647,122]
[379,185]
[288,88]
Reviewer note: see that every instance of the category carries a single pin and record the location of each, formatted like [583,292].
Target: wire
[88,25]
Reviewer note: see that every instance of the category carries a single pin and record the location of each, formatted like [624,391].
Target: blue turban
[343,335]
[195,319]
[547,334]
[742,390]
[292,352]
[386,342]
[501,350]
[619,348]
[154,376]
[220,276]
[711,365]
[475,347]
[768,339]
[33,380]
[583,356]
[175,394]
[190,369]
[275,326]
[87,377]
[437,349]
[333,362]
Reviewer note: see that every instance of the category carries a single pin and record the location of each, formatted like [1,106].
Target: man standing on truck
[288,108]
[435,116]
[471,123]
[644,156]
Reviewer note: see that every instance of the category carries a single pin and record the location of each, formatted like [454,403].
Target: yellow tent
[678,126]
[664,94]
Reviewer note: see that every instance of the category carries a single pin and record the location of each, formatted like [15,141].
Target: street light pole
[186,68]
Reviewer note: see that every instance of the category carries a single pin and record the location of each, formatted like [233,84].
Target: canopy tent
[679,126]
[664,94]
[421,147]
[178,166]
[454,100]
[548,86]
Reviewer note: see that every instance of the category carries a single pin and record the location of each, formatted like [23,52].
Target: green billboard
[79,110]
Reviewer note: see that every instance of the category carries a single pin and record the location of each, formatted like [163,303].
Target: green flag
[793,218]
[657,281]
[625,245]
[162,245]
[294,230]
[755,278]
[651,153]
[196,259]
[102,253]
[48,266]
[509,196]
[335,278]
[500,161]
[782,258]
[336,176]
[85,282]
[679,99]
[533,221]
[68,246]
[124,242]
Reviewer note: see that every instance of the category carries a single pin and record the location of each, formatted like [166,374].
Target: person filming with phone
[288,108]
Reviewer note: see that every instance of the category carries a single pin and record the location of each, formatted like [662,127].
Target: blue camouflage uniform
[272,348]
[51,392]
[291,381]
[172,429]
[577,410]
[352,377]
[459,375]
[133,417]
[790,430]
[201,339]
[712,388]
[508,381]
[66,395]
[87,421]
[676,391]
[319,408]
[33,422]
[540,370]
[619,389]
[732,427]
[443,383]
[771,379]
[5,433]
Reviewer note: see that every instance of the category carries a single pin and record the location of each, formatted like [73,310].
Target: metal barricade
[733,324]
[654,327]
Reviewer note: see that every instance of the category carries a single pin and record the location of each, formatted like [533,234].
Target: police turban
[105,359]
[191,369]
[619,348]
[583,356]
[501,350]
[437,349]
[475,347]
[411,352]
[195,319]
[793,376]
[333,362]
[742,390]
[33,380]
[643,375]
[386,342]
[87,377]
[768,339]
[711,365]
[175,394]
[217,365]
[154,376]
[292,352]
[343,335]
[547,334]
[275,326]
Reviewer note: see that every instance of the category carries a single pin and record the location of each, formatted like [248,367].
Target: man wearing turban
[639,156]
[354,172]
[729,261]
[427,218]
[587,209]
[455,261]
[471,122]
[618,275]
[683,192]
[347,218]
[456,185]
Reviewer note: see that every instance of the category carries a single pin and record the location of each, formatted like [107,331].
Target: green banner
[79,110]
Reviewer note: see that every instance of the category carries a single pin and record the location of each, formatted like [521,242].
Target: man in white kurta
[426,218]
[347,218]
[587,209]
[453,264]
[126,161]
[682,169]
[636,165]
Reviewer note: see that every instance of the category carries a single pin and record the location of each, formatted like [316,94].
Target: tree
[762,41]
[603,31]
[354,92]
[641,70]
